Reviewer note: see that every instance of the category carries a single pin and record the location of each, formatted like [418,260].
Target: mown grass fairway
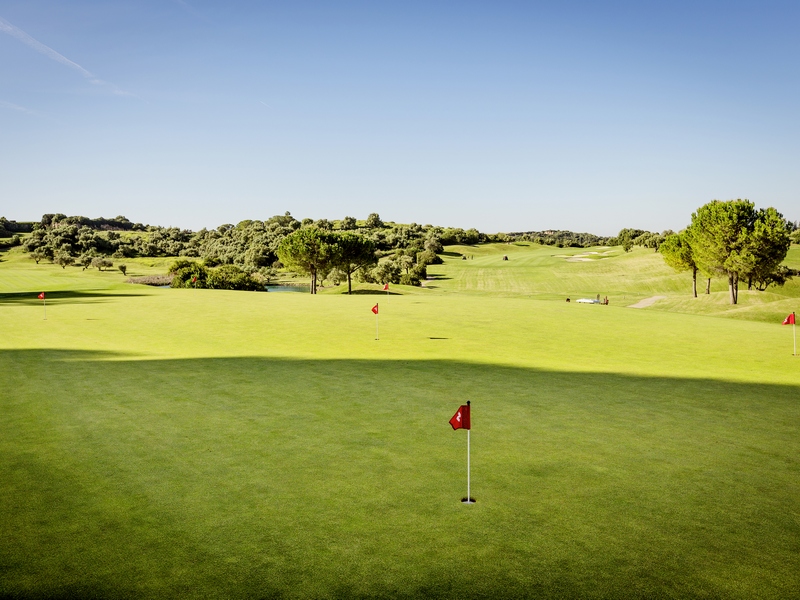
[551,273]
[162,443]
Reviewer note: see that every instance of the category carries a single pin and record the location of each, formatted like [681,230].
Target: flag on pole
[790,320]
[44,304]
[460,420]
[375,310]
[385,287]
[194,279]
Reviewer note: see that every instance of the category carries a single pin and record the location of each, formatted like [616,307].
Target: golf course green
[159,443]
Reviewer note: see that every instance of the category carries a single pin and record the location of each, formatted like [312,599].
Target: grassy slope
[221,444]
[548,273]
[20,274]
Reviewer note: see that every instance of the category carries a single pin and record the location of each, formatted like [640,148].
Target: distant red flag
[375,309]
[789,320]
[385,287]
[194,279]
[41,296]
[460,420]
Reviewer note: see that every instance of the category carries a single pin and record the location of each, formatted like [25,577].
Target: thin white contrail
[23,37]
[265,104]
[16,32]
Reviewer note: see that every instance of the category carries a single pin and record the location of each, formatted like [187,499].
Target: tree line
[733,240]
[397,253]
[627,238]
[12,229]
[370,250]
[341,255]
[558,238]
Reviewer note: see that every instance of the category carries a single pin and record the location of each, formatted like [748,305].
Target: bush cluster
[192,274]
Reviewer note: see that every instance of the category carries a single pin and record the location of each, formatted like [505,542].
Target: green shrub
[429,258]
[188,274]
[231,277]
[64,259]
[387,271]
[409,279]
[101,263]
[180,264]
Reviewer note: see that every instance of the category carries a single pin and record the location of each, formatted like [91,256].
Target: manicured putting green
[162,443]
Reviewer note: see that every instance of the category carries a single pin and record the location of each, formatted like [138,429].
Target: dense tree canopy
[192,274]
[558,238]
[310,250]
[734,240]
[353,252]
[10,228]
[677,252]
[769,243]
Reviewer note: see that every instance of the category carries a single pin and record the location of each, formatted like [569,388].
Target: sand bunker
[585,257]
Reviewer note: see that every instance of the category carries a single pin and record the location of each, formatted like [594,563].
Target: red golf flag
[385,287]
[460,420]
[194,279]
[41,296]
[789,320]
[375,309]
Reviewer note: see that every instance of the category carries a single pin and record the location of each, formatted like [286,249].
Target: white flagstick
[794,334]
[469,498]
[44,303]
[376,324]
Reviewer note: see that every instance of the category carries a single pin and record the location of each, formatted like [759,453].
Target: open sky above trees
[503,116]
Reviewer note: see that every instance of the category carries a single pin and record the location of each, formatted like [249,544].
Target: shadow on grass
[72,592]
[61,297]
[374,293]
[271,477]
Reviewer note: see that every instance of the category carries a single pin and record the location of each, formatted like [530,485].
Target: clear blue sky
[505,116]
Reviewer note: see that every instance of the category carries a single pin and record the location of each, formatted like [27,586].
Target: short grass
[18,273]
[547,272]
[209,444]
